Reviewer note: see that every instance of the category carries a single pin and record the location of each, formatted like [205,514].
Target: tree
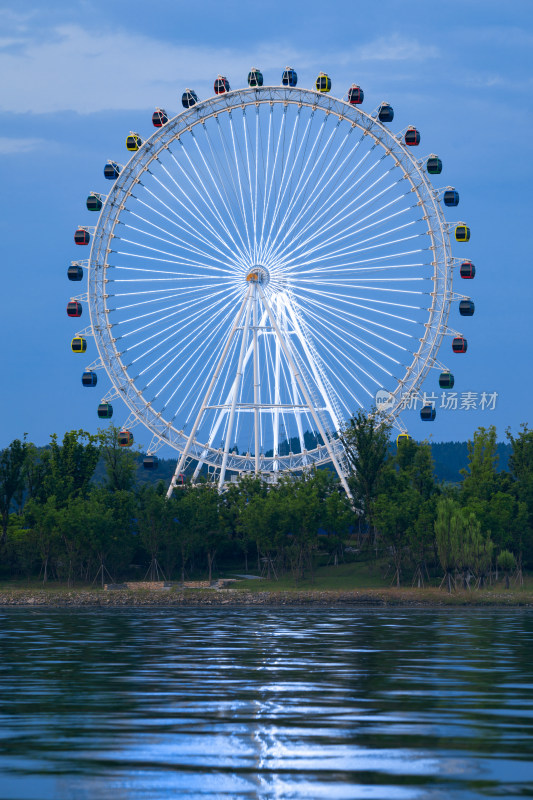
[70,465]
[12,460]
[119,461]
[506,562]
[366,443]
[446,534]
[480,476]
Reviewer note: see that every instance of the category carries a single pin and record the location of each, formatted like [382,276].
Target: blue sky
[78,76]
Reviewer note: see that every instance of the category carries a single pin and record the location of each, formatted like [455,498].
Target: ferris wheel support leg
[307,398]
[236,388]
[256,387]
[277,401]
[216,373]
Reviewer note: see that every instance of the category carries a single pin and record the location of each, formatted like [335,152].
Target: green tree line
[59,524]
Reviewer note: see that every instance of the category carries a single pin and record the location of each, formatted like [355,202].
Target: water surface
[265,703]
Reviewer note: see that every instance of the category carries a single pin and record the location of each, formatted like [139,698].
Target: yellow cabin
[78,344]
[323,83]
[133,142]
[462,233]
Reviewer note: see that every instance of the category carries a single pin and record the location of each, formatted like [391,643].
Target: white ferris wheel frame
[424,358]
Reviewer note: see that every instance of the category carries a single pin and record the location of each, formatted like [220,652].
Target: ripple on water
[263,703]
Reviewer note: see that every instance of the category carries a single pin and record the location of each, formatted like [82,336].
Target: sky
[78,76]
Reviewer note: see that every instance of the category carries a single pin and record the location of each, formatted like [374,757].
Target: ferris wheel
[269,261]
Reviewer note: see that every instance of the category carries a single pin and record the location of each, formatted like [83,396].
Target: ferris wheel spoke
[175,328]
[330,202]
[200,218]
[341,298]
[189,262]
[322,154]
[350,266]
[376,246]
[239,182]
[285,180]
[188,231]
[177,293]
[205,195]
[341,362]
[356,227]
[225,181]
[178,239]
[174,308]
[303,143]
[329,331]
[355,245]
[340,217]
[303,172]
[361,345]
[249,173]
[312,199]
[211,333]
[269,179]
[351,315]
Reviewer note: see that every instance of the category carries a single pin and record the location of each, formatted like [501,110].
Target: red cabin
[159,118]
[74,308]
[82,236]
[355,94]
[467,271]
[412,137]
[125,438]
[221,85]
[459,344]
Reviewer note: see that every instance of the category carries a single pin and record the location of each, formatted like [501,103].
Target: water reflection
[262,703]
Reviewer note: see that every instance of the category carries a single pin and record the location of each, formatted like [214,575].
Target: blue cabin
[111,171]
[75,272]
[385,112]
[467,308]
[289,77]
[428,413]
[189,98]
[451,197]
[89,378]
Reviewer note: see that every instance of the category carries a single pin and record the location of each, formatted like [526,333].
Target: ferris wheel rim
[423,359]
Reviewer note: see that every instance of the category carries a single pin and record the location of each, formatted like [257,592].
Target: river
[266,703]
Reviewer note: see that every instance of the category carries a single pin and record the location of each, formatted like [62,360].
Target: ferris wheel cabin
[385,112]
[125,438]
[467,308]
[446,380]
[111,171]
[150,462]
[402,438]
[75,272]
[89,378]
[189,98]
[467,271]
[355,95]
[82,236]
[78,344]
[94,202]
[255,78]
[434,165]
[221,85]
[133,142]
[462,233]
[459,344]
[323,83]
[159,118]
[451,198]
[428,413]
[412,137]
[74,309]
[289,77]
[105,411]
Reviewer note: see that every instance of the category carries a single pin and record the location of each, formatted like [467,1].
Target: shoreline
[204,598]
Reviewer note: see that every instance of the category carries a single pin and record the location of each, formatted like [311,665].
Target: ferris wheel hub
[258,274]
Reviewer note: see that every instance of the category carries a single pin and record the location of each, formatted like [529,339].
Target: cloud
[69,67]
[11,146]
[396,48]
